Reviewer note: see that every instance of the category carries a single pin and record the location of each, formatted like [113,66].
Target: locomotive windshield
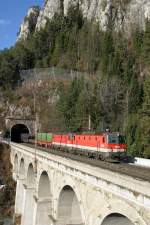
[116,139]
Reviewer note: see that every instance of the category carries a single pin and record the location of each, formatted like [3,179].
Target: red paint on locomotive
[107,142]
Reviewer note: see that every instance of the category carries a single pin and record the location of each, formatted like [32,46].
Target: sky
[12,13]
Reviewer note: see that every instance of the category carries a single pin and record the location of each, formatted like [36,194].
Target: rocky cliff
[125,14]
[29,23]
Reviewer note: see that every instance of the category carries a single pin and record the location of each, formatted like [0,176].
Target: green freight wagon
[39,136]
[44,137]
[49,137]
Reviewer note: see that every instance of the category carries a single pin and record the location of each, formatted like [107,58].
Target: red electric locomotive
[105,145]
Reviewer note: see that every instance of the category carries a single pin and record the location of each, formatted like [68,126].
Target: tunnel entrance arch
[17,130]
[116,218]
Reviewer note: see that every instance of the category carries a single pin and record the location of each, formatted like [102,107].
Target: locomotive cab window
[116,139]
[122,139]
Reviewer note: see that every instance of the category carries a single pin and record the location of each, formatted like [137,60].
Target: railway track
[137,172]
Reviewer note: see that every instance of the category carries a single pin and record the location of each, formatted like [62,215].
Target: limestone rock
[51,7]
[29,23]
[125,14]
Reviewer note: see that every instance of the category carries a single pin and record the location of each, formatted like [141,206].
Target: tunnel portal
[17,131]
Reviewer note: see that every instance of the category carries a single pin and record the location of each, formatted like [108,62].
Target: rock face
[124,13]
[50,8]
[29,23]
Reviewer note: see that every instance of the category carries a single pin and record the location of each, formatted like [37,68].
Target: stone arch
[68,207]
[22,168]
[28,205]
[16,163]
[44,187]
[17,130]
[20,178]
[122,209]
[57,190]
[116,218]
[30,176]
[44,201]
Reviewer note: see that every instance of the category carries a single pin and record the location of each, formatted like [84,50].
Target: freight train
[102,146]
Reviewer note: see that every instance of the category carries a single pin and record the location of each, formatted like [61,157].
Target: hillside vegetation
[7,196]
[117,94]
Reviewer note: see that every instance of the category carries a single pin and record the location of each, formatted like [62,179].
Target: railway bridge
[54,190]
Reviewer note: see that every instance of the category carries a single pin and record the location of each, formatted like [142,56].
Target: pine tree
[68,104]
[146,45]
[97,112]
[145,119]
[133,134]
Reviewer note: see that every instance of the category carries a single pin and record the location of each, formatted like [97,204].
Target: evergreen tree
[146,45]
[145,119]
[68,102]
[133,135]
[134,95]
[9,70]
[97,112]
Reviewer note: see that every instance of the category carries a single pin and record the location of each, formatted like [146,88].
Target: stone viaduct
[52,190]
